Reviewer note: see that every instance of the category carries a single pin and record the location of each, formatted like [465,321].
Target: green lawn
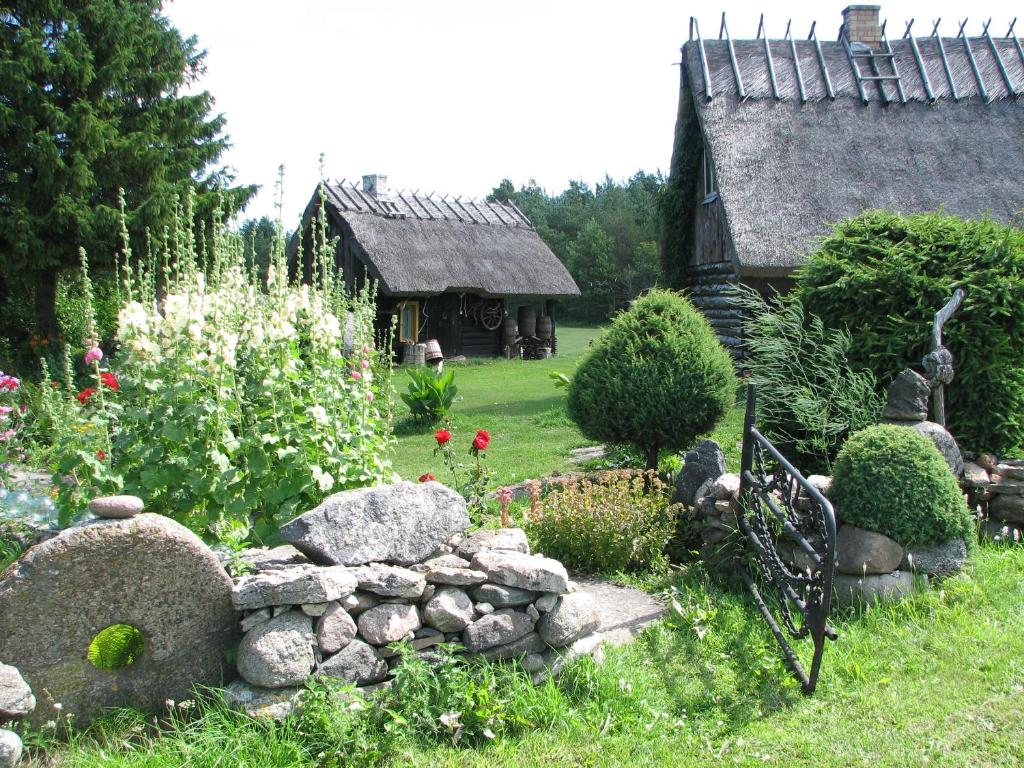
[516,402]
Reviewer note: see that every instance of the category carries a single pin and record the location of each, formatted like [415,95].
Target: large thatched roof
[789,165]
[417,244]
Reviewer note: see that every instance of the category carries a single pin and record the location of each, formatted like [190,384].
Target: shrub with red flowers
[471,481]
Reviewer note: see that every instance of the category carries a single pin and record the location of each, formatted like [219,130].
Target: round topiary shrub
[892,480]
[883,276]
[655,379]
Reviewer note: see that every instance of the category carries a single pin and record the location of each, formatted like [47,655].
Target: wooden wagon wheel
[491,314]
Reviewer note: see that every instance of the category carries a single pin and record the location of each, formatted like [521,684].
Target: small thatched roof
[416,244]
[791,164]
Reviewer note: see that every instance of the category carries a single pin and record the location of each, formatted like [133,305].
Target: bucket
[544,353]
[432,351]
[544,327]
[527,322]
[418,354]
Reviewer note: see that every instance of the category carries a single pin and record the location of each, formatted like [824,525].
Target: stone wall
[996,489]
[336,601]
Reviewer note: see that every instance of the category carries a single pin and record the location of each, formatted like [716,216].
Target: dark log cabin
[445,268]
[778,140]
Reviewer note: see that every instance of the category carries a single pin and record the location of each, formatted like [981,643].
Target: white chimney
[376,186]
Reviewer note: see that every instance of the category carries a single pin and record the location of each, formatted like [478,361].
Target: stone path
[625,611]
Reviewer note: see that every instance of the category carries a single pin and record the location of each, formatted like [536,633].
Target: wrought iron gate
[780,510]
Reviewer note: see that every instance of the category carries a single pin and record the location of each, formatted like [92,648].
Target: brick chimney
[376,186]
[861,24]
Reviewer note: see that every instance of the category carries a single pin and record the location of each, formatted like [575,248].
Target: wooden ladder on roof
[877,63]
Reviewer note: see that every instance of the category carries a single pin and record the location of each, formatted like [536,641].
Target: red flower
[54,384]
[101,455]
[442,436]
[483,438]
[110,380]
[85,394]
[427,477]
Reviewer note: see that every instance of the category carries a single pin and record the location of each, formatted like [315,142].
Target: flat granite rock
[274,703]
[389,580]
[402,523]
[514,569]
[292,585]
[509,539]
[145,571]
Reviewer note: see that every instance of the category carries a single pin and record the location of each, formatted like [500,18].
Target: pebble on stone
[725,487]
[116,507]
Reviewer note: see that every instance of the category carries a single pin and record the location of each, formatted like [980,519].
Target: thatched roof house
[776,140]
[450,269]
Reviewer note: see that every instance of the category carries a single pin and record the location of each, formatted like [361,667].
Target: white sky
[454,95]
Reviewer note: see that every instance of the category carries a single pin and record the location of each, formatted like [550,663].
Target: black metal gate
[780,510]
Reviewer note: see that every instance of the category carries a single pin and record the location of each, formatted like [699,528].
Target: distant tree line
[606,237]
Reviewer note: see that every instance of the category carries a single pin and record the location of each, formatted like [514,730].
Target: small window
[408,321]
[710,187]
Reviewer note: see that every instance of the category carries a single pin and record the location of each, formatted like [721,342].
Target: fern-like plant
[809,396]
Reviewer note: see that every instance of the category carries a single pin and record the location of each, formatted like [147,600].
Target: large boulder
[574,616]
[907,398]
[292,585]
[355,664]
[701,467]
[449,610]
[859,551]
[402,523]
[514,569]
[147,572]
[388,623]
[16,699]
[1007,507]
[279,653]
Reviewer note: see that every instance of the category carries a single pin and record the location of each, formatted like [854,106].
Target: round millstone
[147,572]
[116,507]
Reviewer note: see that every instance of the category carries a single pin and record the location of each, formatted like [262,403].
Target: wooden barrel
[432,351]
[407,348]
[544,327]
[527,322]
[418,354]
[509,330]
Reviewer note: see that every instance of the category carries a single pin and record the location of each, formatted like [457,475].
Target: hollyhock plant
[94,355]
[85,394]
[110,380]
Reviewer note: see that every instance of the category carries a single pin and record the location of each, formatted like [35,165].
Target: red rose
[110,380]
[483,437]
[427,477]
[442,436]
[85,394]
[101,455]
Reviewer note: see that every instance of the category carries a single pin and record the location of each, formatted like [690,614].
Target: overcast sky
[454,95]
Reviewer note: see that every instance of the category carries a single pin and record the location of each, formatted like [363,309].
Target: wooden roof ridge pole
[371,205]
[724,29]
[908,35]
[472,218]
[695,28]
[433,202]
[331,194]
[524,219]
[409,205]
[821,61]
[351,198]
[945,60]
[974,63]
[444,199]
[768,55]
[1013,36]
[895,69]
[796,62]
[999,60]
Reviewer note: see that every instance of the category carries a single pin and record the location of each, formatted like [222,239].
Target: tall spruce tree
[92,100]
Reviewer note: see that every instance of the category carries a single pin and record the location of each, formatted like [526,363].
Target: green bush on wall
[893,480]
[883,276]
[656,379]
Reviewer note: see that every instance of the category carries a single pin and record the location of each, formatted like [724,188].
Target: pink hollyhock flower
[369,396]
[5,436]
[365,364]
[5,409]
[357,375]
[94,355]
[366,349]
